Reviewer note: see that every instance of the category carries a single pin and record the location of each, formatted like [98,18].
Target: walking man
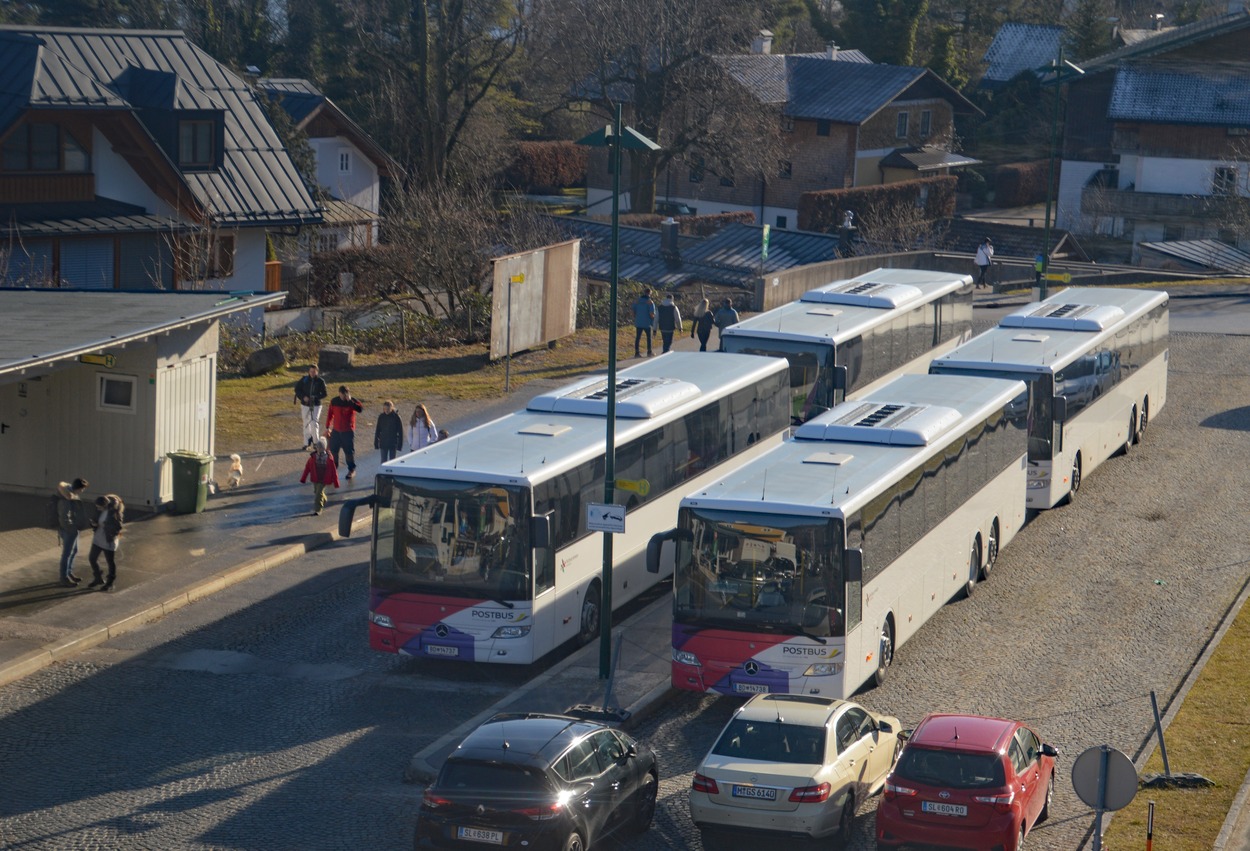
[725,316]
[71,518]
[389,434]
[644,321]
[341,425]
[669,320]
[309,391]
[985,257]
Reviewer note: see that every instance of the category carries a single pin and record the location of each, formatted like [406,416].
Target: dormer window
[43,147]
[197,144]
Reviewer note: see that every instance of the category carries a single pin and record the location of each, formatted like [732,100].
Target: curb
[76,642]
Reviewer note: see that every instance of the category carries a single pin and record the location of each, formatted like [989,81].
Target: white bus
[801,571]
[850,336]
[481,551]
[1096,362]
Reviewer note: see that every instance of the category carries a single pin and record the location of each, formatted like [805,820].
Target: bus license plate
[476,834]
[441,650]
[759,792]
[941,809]
[750,688]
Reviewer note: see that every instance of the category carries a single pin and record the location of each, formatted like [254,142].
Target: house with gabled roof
[845,120]
[350,164]
[1017,48]
[131,159]
[1158,132]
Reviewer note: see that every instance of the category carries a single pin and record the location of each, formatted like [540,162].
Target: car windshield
[952,769]
[772,741]
[462,777]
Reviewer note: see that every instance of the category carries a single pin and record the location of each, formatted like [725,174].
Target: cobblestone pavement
[259,719]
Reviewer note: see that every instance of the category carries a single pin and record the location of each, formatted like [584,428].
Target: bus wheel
[591,604]
[1145,418]
[991,551]
[974,570]
[1131,438]
[1076,479]
[885,652]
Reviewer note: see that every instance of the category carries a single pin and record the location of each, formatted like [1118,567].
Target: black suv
[539,782]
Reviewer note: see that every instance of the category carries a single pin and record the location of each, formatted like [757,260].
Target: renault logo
[441,630]
[752,667]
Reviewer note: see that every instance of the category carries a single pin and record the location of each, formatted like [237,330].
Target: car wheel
[591,604]
[991,551]
[644,804]
[974,571]
[1050,796]
[1020,839]
[885,652]
[846,823]
[574,842]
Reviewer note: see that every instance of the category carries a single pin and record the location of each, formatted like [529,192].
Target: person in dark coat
[668,318]
[71,518]
[703,323]
[108,524]
[725,316]
[644,321]
[389,434]
[309,393]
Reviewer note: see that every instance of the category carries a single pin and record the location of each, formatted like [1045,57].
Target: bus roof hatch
[1064,317]
[882,423]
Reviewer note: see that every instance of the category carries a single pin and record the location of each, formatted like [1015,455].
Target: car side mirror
[904,735]
[884,727]
[1049,750]
[632,751]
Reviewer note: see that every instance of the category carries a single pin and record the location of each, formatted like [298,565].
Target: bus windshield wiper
[502,602]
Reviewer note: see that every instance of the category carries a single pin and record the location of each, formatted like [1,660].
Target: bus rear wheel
[1145,418]
[1131,437]
[974,570]
[991,551]
[885,652]
[590,619]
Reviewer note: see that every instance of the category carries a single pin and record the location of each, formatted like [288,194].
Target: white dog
[236,472]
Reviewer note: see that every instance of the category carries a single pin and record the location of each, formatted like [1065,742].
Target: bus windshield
[767,573]
[453,539]
[811,372]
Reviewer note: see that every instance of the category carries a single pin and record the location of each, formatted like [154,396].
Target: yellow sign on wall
[99,360]
[1062,277]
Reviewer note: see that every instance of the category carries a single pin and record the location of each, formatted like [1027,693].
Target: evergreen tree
[1088,30]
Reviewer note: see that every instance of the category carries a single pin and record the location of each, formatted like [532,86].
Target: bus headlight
[685,657]
[511,632]
[381,620]
[1034,484]
[823,669]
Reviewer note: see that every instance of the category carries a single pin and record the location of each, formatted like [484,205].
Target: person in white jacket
[985,257]
[421,429]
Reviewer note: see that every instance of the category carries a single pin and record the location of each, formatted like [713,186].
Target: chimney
[668,241]
[763,42]
[831,51]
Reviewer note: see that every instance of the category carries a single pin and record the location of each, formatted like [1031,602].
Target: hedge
[546,167]
[823,211]
[1022,184]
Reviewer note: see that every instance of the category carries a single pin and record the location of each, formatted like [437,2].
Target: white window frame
[345,160]
[103,379]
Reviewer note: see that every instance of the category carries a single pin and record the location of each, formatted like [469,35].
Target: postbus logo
[822,652]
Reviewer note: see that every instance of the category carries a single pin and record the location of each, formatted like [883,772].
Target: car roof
[523,738]
[964,732]
[807,710]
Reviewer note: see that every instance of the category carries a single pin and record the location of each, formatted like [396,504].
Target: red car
[965,781]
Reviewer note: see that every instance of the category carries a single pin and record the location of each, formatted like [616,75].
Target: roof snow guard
[636,398]
[1064,317]
[865,294]
[885,423]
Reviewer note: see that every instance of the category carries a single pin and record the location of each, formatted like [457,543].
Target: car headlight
[381,620]
[511,632]
[685,657]
[823,669]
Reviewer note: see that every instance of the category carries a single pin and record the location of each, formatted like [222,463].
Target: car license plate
[941,809]
[762,793]
[441,650]
[750,688]
[476,834]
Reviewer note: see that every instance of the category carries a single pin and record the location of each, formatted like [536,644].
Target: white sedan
[792,765]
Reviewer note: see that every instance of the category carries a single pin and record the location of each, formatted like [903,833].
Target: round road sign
[1108,769]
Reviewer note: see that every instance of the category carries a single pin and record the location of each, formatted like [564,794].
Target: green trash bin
[190,477]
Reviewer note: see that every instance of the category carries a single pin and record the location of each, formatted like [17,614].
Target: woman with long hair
[421,429]
[108,524]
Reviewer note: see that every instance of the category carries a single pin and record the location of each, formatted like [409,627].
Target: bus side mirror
[347,513]
[655,545]
[839,377]
[1061,409]
[540,531]
[853,565]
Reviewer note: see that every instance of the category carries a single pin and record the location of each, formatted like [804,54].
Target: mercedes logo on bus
[441,630]
[752,667]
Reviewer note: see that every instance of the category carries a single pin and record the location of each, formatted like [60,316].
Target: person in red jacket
[341,428]
[321,468]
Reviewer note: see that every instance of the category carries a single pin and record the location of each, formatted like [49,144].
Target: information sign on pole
[605,517]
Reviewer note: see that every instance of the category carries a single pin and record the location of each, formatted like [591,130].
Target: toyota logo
[752,667]
[944,794]
[481,810]
[441,630]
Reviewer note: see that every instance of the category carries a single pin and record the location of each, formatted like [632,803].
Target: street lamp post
[1063,71]
[615,138]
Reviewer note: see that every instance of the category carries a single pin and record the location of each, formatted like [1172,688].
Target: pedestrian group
[106,517]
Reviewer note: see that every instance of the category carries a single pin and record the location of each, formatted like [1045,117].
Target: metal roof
[1010,240]
[1192,93]
[1204,253]
[100,217]
[257,183]
[1167,40]
[730,257]
[1020,47]
[90,321]
[925,158]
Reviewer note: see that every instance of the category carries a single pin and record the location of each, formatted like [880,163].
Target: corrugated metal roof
[1010,240]
[90,321]
[1021,47]
[298,97]
[925,158]
[1166,40]
[346,213]
[1205,253]
[1191,94]
[257,183]
[730,257]
[97,218]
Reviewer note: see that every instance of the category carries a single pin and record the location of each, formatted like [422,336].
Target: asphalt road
[259,719]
